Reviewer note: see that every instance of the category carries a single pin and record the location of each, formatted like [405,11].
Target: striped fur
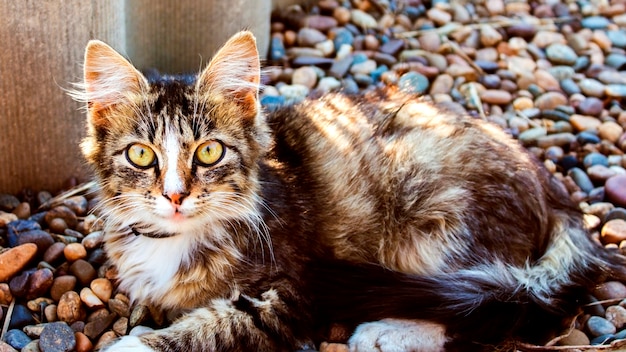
[434,231]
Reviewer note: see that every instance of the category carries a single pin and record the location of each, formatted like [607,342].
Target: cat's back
[394,175]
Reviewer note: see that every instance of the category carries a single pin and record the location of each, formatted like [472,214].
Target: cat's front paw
[127,344]
[394,335]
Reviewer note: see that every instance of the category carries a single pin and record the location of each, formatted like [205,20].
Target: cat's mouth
[138,231]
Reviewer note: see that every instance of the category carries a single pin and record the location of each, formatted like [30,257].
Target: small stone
[530,136]
[598,326]
[139,315]
[592,87]
[343,37]
[95,328]
[392,47]
[617,38]
[105,339]
[39,283]
[93,240]
[595,158]
[6,218]
[342,15]
[277,49]
[546,81]
[70,308]
[320,23]
[17,339]
[440,17]
[74,251]
[57,337]
[610,131]
[556,139]
[413,82]
[21,317]
[54,253]
[22,211]
[309,37]
[550,100]
[90,299]
[595,22]
[5,295]
[523,103]
[610,290]
[496,96]
[327,47]
[615,188]
[64,213]
[121,326]
[121,307]
[83,344]
[328,84]
[61,285]
[8,202]
[15,259]
[489,36]
[575,338]
[581,179]
[83,271]
[591,106]
[561,54]
[50,312]
[363,19]
[615,90]
[584,123]
[442,84]
[614,231]
[616,315]
[544,38]
[600,173]
[41,239]
[365,67]
[333,347]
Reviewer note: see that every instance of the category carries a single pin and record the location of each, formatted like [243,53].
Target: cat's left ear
[234,73]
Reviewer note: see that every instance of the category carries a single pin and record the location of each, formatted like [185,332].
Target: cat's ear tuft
[234,73]
[109,78]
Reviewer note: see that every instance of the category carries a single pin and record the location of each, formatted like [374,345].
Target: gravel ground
[552,73]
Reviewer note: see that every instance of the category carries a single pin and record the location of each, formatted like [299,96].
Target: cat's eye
[140,155]
[209,153]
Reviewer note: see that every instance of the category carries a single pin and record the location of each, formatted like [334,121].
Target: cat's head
[175,154]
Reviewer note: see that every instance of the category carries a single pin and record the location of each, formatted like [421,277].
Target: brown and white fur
[431,230]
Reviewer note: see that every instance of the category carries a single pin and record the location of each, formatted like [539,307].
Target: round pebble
[17,339]
[615,188]
[614,231]
[610,290]
[70,308]
[57,337]
[616,315]
[413,82]
[598,326]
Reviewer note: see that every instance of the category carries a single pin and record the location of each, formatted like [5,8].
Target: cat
[413,227]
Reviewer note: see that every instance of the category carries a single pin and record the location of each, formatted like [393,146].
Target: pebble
[584,123]
[598,326]
[90,299]
[550,100]
[17,338]
[610,290]
[575,338]
[592,87]
[495,96]
[615,188]
[614,231]
[57,337]
[70,308]
[74,252]
[96,327]
[363,19]
[15,259]
[561,54]
[581,179]
[413,82]
[616,315]
[610,131]
[21,317]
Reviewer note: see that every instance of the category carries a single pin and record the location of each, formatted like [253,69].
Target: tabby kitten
[433,231]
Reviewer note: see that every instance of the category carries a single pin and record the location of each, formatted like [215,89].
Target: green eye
[140,155]
[209,153]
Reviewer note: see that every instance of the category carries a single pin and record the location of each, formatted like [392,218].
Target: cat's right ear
[109,79]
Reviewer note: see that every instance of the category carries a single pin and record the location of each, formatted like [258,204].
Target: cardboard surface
[41,51]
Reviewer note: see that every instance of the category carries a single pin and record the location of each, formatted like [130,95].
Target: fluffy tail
[487,304]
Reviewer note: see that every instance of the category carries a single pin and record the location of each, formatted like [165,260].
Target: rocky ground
[552,73]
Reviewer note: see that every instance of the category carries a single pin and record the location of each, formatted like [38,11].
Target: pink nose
[176,198]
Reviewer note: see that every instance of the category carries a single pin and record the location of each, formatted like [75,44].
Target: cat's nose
[176,198]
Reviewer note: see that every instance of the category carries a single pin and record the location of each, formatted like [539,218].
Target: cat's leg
[242,324]
[396,335]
